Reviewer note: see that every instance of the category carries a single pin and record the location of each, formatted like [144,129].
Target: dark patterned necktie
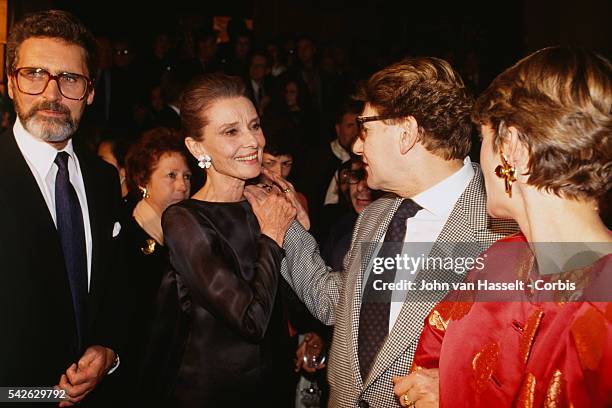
[71,231]
[376,304]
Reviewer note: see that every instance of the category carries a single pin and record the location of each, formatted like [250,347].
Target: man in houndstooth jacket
[414,139]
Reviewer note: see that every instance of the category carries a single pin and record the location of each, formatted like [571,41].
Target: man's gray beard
[50,130]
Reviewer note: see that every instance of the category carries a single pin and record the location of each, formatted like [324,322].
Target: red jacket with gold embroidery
[523,348]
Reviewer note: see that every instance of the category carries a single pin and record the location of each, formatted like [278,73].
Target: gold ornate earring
[144,192]
[507,172]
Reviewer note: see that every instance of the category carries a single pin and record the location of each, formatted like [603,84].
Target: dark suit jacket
[313,181]
[38,340]
[266,90]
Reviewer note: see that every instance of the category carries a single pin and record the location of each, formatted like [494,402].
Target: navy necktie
[71,232]
[376,304]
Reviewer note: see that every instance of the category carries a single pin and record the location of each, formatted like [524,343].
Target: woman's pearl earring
[204,161]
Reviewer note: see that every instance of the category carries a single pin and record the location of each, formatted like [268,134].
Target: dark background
[373,33]
[501,32]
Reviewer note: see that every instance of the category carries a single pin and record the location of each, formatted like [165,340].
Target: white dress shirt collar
[441,198]
[38,153]
[256,86]
[339,151]
[175,108]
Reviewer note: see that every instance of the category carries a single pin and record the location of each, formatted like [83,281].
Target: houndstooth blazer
[334,297]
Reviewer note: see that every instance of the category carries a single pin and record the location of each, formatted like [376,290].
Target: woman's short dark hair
[57,24]
[199,96]
[143,156]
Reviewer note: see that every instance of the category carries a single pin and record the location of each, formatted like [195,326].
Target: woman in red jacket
[546,126]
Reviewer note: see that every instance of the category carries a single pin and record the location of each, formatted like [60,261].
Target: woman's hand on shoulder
[287,188]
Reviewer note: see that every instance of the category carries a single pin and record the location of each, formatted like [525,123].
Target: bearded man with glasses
[59,243]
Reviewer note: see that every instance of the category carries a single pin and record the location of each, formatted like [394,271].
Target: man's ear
[90,96]
[10,86]
[410,134]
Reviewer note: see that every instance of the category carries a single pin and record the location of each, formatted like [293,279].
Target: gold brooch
[149,246]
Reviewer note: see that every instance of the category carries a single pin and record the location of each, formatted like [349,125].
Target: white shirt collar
[38,153]
[440,199]
[339,151]
[175,108]
[255,86]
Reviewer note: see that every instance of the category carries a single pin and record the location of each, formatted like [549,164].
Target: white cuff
[115,364]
